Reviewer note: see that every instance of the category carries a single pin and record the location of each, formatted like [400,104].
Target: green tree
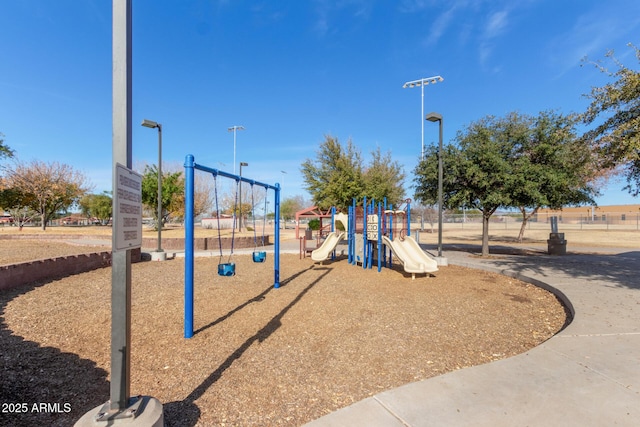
[335,177]
[384,178]
[615,110]
[515,161]
[552,167]
[18,204]
[5,151]
[99,206]
[172,193]
[47,187]
[477,170]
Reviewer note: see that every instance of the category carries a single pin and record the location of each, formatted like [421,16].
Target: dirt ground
[332,335]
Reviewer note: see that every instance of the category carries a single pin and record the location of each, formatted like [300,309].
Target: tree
[202,194]
[291,205]
[552,168]
[384,178]
[48,187]
[477,170]
[5,151]
[516,161]
[172,202]
[337,176]
[98,206]
[616,138]
[18,204]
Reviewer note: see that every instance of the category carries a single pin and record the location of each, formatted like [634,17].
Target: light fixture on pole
[436,117]
[159,254]
[234,129]
[240,197]
[422,83]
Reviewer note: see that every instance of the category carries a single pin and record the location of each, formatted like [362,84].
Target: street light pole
[436,117]
[240,191]
[159,255]
[422,83]
[234,129]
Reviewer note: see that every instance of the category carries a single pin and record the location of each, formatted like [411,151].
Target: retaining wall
[15,275]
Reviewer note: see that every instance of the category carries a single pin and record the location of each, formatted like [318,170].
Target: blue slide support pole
[379,237]
[352,225]
[364,233]
[369,242]
[349,235]
[188,247]
[385,225]
[276,248]
[333,229]
[408,218]
[390,233]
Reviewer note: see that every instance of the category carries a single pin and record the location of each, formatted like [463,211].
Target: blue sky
[293,71]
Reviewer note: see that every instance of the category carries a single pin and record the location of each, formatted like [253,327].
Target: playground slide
[409,252]
[327,246]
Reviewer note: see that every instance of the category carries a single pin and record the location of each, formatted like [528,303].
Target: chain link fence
[509,221]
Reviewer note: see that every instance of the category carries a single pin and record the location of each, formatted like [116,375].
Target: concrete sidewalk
[587,375]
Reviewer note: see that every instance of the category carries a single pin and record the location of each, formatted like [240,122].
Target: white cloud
[497,23]
[592,34]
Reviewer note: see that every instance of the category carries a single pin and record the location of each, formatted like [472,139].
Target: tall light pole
[234,129]
[422,83]
[159,254]
[240,191]
[436,117]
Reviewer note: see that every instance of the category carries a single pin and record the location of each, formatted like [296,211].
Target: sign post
[122,409]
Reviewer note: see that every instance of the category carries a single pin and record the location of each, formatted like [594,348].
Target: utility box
[556,245]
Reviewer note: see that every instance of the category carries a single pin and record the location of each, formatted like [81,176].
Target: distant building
[613,214]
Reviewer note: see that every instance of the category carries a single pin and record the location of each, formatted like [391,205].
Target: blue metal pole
[379,237]
[349,235]
[188,247]
[391,234]
[333,228]
[408,218]
[276,255]
[385,225]
[352,225]
[370,242]
[364,233]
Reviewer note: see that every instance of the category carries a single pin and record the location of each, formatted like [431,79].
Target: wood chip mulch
[332,335]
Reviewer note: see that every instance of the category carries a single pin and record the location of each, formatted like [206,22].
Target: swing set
[228,268]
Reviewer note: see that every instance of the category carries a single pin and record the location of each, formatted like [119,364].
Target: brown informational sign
[127,217]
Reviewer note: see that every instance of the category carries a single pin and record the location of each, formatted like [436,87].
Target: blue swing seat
[259,256]
[227,269]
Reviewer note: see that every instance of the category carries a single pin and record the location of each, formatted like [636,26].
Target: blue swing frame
[190,166]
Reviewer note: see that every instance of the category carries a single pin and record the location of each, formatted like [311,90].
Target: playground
[331,335]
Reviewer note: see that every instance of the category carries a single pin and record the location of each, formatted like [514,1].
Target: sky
[292,72]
